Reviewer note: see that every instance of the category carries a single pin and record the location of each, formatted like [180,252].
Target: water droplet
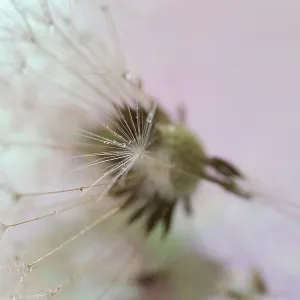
[3,229]
[150,118]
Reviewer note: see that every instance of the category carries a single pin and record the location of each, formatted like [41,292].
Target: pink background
[236,66]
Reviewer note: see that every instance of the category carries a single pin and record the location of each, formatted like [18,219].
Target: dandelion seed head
[61,77]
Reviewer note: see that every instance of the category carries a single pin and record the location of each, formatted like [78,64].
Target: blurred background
[235,65]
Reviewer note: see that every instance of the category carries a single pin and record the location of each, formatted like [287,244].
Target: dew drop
[3,229]
[150,118]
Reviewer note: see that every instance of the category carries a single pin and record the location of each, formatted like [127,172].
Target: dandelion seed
[82,232]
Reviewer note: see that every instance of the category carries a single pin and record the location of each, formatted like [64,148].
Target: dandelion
[127,154]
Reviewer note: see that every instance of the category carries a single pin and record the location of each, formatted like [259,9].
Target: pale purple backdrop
[236,66]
